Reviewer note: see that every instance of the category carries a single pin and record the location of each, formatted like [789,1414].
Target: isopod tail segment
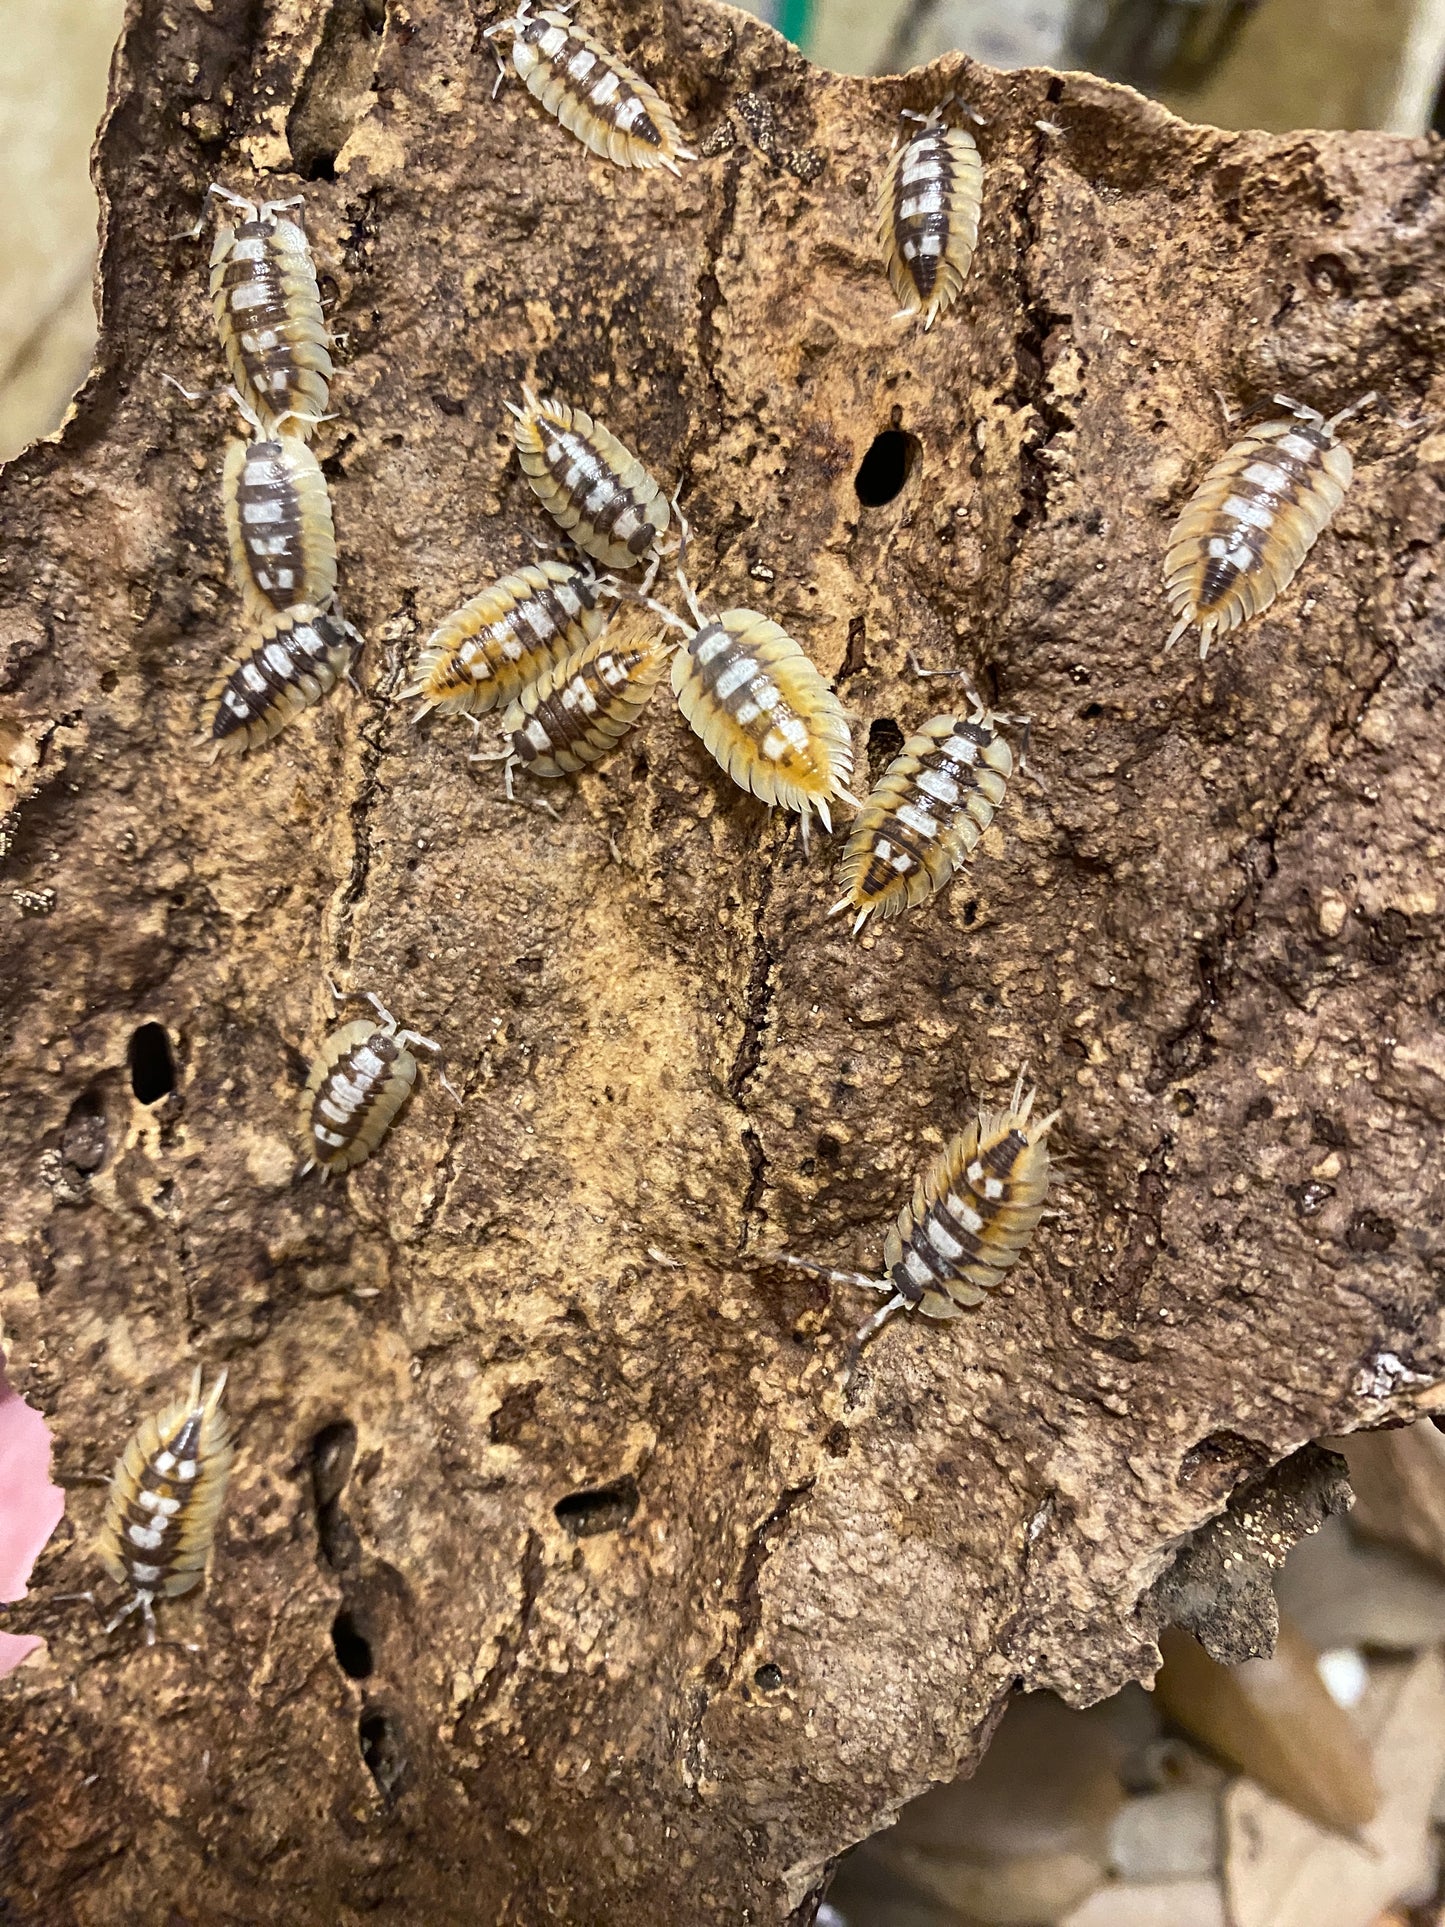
[1245,532]
[762,710]
[970,1219]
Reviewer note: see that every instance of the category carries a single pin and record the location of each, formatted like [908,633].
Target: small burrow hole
[885,739]
[85,1140]
[352,1647]
[152,1063]
[768,1678]
[599,1508]
[886,467]
[381,1750]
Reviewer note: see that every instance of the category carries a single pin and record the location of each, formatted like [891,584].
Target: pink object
[30,1508]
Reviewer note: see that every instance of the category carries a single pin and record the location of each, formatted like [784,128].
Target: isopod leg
[867,1330]
[826,1271]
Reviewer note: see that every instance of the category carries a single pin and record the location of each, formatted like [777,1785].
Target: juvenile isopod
[763,711]
[579,710]
[928,214]
[925,816]
[972,1216]
[588,482]
[165,1497]
[362,1076]
[1254,518]
[260,693]
[599,98]
[488,650]
[278,524]
[268,311]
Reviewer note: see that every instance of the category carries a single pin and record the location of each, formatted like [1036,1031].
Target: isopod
[362,1076]
[278,523]
[268,311]
[972,1216]
[165,1498]
[1254,518]
[925,816]
[763,711]
[488,650]
[928,214]
[611,109]
[260,693]
[575,713]
[588,482]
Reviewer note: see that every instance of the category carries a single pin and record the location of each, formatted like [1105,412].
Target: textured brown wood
[656,1623]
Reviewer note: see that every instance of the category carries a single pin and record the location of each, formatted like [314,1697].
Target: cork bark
[559,1580]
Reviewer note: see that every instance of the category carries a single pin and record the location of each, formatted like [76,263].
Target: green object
[794,21]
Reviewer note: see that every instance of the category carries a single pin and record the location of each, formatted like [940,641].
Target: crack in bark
[749,1595]
[373,748]
[509,1648]
[446,1170]
[747,1059]
[1031,389]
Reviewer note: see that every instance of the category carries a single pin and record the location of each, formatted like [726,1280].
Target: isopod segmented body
[928,214]
[971,1217]
[362,1076]
[925,816]
[260,693]
[763,711]
[268,312]
[588,482]
[165,1497]
[1253,520]
[599,98]
[575,713]
[278,523]
[489,649]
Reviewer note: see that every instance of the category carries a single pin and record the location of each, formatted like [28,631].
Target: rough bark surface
[655,1622]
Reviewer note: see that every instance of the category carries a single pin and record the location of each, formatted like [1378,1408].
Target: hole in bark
[885,739]
[85,1140]
[332,1452]
[1329,275]
[768,1678]
[337,88]
[599,1508]
[1370,1231]
[1310,1198]
[886,467]
[381,1750]
[152,1064]
[352,1647]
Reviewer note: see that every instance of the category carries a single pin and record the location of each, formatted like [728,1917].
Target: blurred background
[1303,1791]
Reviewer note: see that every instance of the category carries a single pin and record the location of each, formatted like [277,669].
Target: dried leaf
[1274,1720]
